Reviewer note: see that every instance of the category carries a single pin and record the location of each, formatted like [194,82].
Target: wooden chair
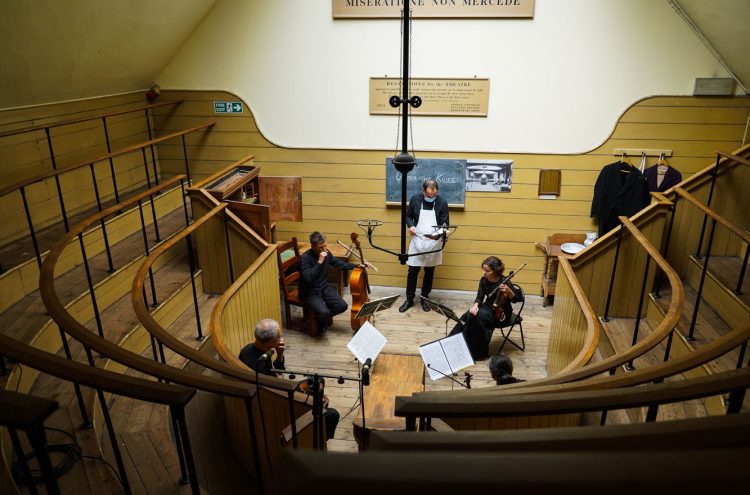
[289,274]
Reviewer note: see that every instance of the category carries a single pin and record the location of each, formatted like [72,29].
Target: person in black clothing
[477,323]
[426,211]
[314,290]
[256,356]
[501,369]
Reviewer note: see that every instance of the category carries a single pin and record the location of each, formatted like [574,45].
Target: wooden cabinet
[258,201]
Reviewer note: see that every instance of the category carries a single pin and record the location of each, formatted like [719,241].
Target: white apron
[420,244]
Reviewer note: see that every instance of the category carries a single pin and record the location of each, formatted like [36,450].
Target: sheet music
[367,343]
[446,356]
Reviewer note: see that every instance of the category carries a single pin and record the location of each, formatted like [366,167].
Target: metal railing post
[111,161]
[184,475]
[57,178]
[153,155]
[669,346]
[703,279]
[145,168]
[151,197]
[91,286]
[191,261]
[85,421]
[184,202]
[22,463]
[113,441]
[665,252]
[3,368]
[38,441]
[154,303]
[187,167]
[101,220]
[630,366]
[31,227]
[614,271]
[714,172]
[741,279]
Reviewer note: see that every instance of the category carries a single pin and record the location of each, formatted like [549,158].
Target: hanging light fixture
[404,161]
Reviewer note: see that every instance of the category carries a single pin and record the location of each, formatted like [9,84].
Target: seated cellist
[477,323]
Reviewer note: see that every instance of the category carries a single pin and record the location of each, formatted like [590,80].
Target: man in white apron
[426,210]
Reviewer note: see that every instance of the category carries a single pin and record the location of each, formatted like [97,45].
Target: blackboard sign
[450,174]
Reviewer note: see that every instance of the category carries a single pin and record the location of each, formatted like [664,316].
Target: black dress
[478,329]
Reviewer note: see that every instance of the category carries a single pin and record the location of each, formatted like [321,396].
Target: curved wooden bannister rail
[578,401]
[114,154]
[109,381]
[75,329]
[163,336]
[712,214]
[655,373]
[78,120]
[735,158]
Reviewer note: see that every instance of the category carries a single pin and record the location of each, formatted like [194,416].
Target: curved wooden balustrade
[114,154]
[77,120]
[76,330]
[734,381]
[645,345]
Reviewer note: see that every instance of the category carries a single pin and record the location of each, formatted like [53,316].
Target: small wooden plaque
[549,181]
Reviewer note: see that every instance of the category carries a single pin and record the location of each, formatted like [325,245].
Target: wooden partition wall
[340,186]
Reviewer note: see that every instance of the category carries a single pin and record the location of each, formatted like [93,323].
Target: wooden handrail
[575,402]
[219,173]
[593,326]
[736,158]
[84,119]
[113,154]
[711,213]
[657,372]
[109,381]
[729,430]
[23,411]
[163,336]
[71,326]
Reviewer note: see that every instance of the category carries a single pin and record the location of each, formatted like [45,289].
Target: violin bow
[357,255]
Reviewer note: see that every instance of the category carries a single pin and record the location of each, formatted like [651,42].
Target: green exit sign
[227,107]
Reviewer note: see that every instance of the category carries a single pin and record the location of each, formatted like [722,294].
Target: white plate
[572,247]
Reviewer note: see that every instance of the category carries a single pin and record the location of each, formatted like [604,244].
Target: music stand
[371,307]
[441,310]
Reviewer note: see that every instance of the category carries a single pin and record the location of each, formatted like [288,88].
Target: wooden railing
[734,382]
[56,173]
[93,342]
[176,397]
[77,120]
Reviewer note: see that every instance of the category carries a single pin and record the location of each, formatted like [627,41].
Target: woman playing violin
[477,323]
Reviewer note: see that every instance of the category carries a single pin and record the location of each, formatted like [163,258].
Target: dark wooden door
[284,197]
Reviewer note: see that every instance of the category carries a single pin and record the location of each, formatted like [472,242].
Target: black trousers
[331,419]
[411,281]
[326,305]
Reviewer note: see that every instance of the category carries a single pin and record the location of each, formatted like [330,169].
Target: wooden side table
[552,250]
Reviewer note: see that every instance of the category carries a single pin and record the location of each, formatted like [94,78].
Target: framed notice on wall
[380,9]
[450,97]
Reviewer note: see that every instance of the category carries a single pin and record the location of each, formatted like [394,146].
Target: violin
[502,297]
[359,287]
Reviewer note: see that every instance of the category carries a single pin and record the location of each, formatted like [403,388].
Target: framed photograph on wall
[489,175]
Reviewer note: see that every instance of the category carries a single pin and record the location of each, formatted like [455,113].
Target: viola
[359,287]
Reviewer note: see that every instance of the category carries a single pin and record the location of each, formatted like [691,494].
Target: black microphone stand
[317,405]
[452,377]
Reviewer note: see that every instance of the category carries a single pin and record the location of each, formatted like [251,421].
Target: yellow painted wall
[341,186]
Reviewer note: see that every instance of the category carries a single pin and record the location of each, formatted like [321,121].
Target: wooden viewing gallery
[131,280]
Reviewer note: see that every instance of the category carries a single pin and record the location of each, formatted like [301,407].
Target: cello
[359,287]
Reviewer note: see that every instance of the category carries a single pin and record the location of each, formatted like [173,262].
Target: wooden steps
[719,286]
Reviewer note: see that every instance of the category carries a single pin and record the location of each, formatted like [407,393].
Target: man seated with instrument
[493,299]
[266,354]
[314,290]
